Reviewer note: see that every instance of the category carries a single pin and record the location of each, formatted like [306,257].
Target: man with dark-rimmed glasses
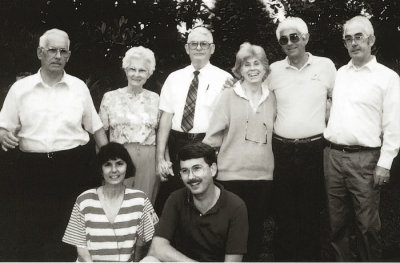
[48,116]
[302,84]
[363,137]
[186,102]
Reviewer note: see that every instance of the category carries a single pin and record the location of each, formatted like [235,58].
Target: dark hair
[112,151]
[198,150]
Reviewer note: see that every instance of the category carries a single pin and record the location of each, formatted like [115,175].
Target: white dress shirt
[366,109]
[48,119]
[301,96]
[175,90]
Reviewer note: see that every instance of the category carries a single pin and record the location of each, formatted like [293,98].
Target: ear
[39,53]
[306,37]
[213,168]
[187,48]
[371,40]
[212,47]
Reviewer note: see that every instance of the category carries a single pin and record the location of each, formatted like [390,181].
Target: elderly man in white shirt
[48,116]
[363,137]
[187,101]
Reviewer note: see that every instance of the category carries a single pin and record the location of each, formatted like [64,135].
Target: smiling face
[114,171]
[53,63]
[359,50]
[197,175]
[294,50]
[199,56]
[252,70]
[137,73]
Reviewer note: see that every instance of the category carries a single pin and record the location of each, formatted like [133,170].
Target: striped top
[90,228]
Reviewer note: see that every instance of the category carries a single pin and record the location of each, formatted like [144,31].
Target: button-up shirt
[366,109]
[48,119]
[175,90]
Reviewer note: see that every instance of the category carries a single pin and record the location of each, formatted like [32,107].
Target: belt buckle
[50,155]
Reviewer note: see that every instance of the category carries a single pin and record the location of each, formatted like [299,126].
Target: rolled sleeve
[91,120]
[9,113]
[166,100]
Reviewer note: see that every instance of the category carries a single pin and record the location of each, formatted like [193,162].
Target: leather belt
[188,136]
[300,140]
[51,155]
[350,148]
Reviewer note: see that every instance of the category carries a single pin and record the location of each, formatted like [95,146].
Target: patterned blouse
[130,118]
[90,228]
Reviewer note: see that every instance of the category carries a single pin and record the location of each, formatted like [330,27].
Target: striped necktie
[190,105]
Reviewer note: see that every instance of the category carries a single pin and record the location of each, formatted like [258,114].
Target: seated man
[201,222]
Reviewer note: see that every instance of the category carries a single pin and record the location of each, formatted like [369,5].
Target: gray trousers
[351,193]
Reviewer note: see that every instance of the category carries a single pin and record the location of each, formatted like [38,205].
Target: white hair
[44,38]
[140,53]
[201,30]
[292,23]
[361,20]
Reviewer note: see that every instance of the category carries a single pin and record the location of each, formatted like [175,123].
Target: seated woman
[241,126]
[111,222]
[131,115]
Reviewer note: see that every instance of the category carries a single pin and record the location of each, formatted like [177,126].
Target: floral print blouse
[130,118]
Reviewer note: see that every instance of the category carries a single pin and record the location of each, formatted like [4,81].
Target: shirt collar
[37,78]
[189,200]
[202,70]
[238,89]
[308,62]
[370,65]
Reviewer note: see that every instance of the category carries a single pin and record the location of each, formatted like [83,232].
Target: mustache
[194,180]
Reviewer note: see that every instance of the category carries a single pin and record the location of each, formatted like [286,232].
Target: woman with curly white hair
[131,115]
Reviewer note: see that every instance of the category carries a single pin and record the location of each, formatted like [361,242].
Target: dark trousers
[46,189]
[257,197]
[352,196]
[176,141]
[299,197]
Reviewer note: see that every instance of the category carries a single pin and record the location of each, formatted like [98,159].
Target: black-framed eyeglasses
[197,170]
[357,38]
[284,40]
[53,51]
[202,44]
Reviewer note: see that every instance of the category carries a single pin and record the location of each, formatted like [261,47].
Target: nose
[58,54]
[198,47]
[113,168]
[191,175]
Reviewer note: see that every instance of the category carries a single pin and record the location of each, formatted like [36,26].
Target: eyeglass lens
[284,40]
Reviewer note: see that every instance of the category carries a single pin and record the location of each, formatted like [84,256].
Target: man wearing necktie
[186,102]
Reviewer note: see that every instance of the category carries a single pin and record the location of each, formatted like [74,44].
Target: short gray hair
[292,23]
[140,53]
[364,21]
[201,30]
[246,51]
[44,38]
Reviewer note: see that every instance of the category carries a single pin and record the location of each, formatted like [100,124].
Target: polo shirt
[366,109]
[49,119]
[205,237]
[301,96]
[175,89]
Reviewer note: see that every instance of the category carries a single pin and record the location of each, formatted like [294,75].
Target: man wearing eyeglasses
[302,84]
[363,137]
[187,100]
[47,116]
[203,221]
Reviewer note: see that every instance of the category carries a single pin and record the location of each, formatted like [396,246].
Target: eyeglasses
[358,38]
[203,45]
[197,170]
[284,40]
[53,51]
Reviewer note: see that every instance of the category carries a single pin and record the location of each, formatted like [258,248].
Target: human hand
[8,140]
[164,168]
[229,82]
[381,176]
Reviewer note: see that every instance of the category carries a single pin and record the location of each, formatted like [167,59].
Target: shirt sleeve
[390,123]
[9,113]
[169,219]
[166,100]
[238,232]
[91,120]
[147,222]
[219,122]
[104,111]
[331,77]
[75,234]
